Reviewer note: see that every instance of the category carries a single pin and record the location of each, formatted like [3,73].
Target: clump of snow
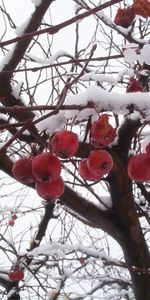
[109,100]
[98,77]
[11,293]
[5,60]
[16,90]
[21,29]
[131,55]
[103,100]
[134,116]
[48,61]
[53,123]
[56,248]
[36,2]
[145,54]
[107,201]
[145,142]
[3,117]
[121,73]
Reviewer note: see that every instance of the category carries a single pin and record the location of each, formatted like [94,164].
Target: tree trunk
[135,248]
[140,279]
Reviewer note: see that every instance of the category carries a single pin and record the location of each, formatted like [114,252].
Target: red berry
[14,217]
[16,275]
[99,162]
[82,260]
[142,8]
[22,170]
[134,86]
[124,17]
[64,144]
[102,133]
[50,190]
[85,173]
[139,167]
[46,167]
[11,222]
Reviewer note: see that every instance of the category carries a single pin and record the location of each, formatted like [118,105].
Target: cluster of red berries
[16,275]
[44,169]
[125,16]
[99,161]
[11,221]
[139,166]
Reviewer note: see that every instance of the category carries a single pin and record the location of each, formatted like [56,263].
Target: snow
[21,29]
[59,250]
[145,54]
[132,53]
[36,2]
[5,60]
[55,122]
[145,142]
[110,101]
[51,59]
[12,291]
[103,100]
[98,77]
[109,22]
[16,90]
[134,116]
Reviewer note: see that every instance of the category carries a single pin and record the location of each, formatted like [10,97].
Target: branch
[43,225]
[70,61]
[22,44]
[54,29]
[104,220]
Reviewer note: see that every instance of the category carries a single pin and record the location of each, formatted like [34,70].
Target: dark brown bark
[135,247]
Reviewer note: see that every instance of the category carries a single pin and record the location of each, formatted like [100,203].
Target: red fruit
[46,167]
[142,8]
[16,275]
[11,222]
[134,86]
[85,173]
[50,190]
[139,167]
[102,133]
[64,143]
[22,170]
[14,217]
[82,260]
[99,162]
[124,17]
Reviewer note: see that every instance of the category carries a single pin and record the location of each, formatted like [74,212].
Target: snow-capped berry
[102,133]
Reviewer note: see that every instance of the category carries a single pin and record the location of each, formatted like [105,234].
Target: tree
[98,85]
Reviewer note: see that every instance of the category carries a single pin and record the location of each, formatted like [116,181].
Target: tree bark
[135,247]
